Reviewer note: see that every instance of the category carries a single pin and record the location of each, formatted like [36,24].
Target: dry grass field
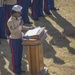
[59,47]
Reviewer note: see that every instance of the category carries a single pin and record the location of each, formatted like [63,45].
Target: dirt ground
[59,47]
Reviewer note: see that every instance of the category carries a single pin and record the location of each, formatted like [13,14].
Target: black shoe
[21,73]
[36,19]
[54,8]
[4,37]
[28,22]
[48,13]
[0,42]
[42,15]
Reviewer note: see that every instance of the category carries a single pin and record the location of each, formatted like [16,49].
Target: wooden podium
[35,56]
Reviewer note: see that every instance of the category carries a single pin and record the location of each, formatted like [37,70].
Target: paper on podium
[35,33]
[35,36]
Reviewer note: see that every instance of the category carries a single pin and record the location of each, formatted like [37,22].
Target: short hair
[12,12]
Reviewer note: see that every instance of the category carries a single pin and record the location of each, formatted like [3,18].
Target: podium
[35,55]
